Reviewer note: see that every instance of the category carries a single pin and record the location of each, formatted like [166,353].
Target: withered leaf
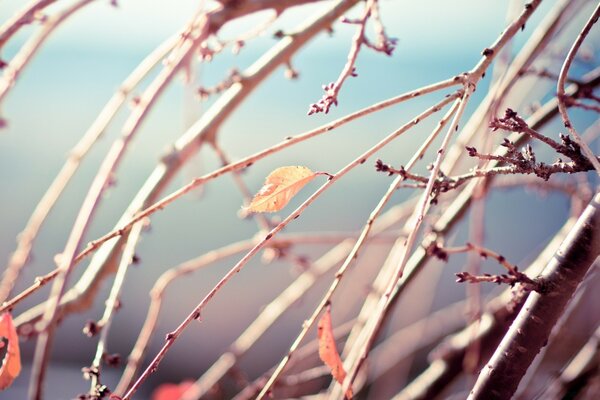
[11,364]
[280,186]
[328,350]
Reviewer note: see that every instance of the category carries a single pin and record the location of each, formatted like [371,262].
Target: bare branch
[531,329]
[560,92]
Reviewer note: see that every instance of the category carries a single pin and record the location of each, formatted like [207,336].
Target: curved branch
[560,92]
[22,17]
[26,53]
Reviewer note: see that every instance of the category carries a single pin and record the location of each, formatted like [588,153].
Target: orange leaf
[171,391]
[328,350]
[11,364]
[279,188]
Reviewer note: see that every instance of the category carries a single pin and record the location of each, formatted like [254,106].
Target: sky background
[83,63]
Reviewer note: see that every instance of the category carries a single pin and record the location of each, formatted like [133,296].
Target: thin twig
[109,312]
[560,91]
[330,98]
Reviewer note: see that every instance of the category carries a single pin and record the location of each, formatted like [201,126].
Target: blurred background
[83,63]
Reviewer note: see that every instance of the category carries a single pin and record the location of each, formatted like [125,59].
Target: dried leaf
[171,391]
[11,364]
[279,188]
[328,350]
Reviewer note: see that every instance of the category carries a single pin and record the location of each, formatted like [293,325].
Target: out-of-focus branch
[26,53]
[531,329]
[578,373]
[27,237]
[105,323]
[23,17]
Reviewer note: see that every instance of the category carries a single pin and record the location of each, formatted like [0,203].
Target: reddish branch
[529,333]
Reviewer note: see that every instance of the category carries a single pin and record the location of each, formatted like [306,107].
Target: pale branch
[197,31]
[172,337]
[560,92]
[156,299]
[15,66]
[447,360]
[530,331]
[24,16]
[27,237]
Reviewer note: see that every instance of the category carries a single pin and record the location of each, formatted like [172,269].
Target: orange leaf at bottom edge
[328,350]
[11,364]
